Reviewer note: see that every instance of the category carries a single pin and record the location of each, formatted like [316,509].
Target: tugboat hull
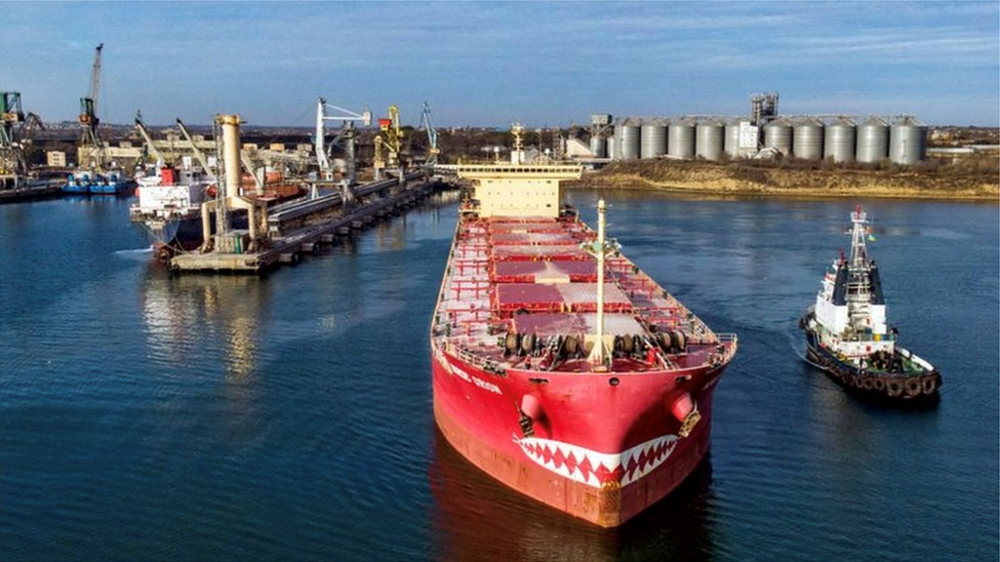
[885,385]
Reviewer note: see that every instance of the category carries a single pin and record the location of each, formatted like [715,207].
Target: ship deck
[528,279]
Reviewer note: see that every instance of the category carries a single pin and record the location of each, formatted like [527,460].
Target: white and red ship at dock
[559,367]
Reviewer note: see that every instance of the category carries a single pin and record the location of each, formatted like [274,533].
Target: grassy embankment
[972,178]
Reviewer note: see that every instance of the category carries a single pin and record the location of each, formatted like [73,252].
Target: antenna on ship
[599,249]
[517,154]
[859,251]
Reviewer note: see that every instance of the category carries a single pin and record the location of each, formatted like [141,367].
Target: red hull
[483,425]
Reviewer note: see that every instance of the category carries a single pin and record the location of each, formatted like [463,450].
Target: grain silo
[873,141]
[653,141]
[709,140]
[612,148]
[778,135]
[731,144]
[907,141]
[807,139]
[839,139]
[680,139]
[628,141]
[598,146]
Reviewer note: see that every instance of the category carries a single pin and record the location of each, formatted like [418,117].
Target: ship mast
[599,249]
[517,153]
[859,251]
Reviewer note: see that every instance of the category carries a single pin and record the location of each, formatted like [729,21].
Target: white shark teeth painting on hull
[596,469]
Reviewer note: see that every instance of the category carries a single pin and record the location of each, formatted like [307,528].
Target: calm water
[221,418]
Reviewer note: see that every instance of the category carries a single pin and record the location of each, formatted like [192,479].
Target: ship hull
[478,413]
[75,188]
[111,188]
[876,385]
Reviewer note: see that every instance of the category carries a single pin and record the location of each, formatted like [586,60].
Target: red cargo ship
[559,367]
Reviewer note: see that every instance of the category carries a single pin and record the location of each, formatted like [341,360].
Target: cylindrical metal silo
[653,142]
[907,141]
[839,139]
[731,144]
[612,148]
[709,140]
[628,141]
[873,141]
[807,139]
[680,139]
[778,135]
[598,146]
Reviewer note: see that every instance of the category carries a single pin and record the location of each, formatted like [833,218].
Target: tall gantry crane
[16,130]
[347,134]
[392,141]
[91,148]
[11,158]
[432,136]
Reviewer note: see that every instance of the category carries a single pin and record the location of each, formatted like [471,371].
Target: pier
[15,188]
[303,227]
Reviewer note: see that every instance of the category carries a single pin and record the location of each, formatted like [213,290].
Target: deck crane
[432,136]
[91,147]
[197,152]
[141,127]
[347,134]
[392,142]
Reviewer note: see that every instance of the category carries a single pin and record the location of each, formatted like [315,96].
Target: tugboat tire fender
[913,386]
[878,383]
[510,342]
[866,383]
[929,384]
[893,387]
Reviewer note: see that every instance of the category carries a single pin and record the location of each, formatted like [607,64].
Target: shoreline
[780,183]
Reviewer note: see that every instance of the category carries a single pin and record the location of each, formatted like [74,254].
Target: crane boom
[197,152]
[348,134]
[432,136]
[95,75]
[149,140]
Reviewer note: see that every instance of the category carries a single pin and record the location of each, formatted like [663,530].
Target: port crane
[392,143]
[141,127]
[91,147]
[16,131]
[432,136]
[198,154]
[347,134]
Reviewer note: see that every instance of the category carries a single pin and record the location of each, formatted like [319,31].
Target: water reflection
[478,518]
[190,317]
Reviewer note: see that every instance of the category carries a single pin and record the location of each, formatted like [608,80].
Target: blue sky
[492,63]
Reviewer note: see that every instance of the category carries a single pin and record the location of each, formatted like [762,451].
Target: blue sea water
[147,416]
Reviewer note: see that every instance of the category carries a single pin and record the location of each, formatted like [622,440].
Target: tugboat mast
[859,251]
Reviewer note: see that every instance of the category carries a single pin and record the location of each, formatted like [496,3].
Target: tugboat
[847,335]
